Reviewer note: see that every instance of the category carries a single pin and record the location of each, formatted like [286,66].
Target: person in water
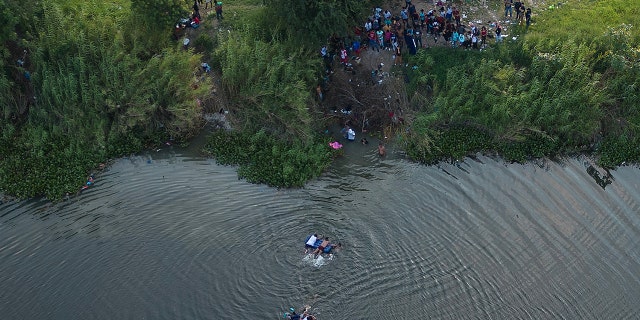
[307,316]
[351,135]
[348,133]
[381,149]
[324,244]
[293,316]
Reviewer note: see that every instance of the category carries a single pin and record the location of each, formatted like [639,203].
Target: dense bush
[554,91]
[270,83]
[93,93]
[309,23]
[263,158]
[103,79]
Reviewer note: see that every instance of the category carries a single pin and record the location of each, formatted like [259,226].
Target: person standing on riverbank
[508,10]
[398,56]
[218,9]
[483,36]
[196,9]
[498,32]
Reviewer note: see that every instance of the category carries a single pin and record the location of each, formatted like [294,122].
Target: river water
[172,235]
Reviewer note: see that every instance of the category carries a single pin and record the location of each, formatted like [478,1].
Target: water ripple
[165,236]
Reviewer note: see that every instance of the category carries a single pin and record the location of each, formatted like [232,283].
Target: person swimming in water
[306,315]
[381,149]
[293,316]
[324,244]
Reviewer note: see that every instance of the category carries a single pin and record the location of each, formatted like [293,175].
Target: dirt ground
[377,102]
[367,101]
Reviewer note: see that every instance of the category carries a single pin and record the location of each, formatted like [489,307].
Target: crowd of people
[409,30]
[412,29]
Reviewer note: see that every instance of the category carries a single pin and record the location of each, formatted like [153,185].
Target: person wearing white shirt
[351,135]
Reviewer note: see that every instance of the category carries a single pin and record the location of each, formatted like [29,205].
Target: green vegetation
[570,84]
[265,159]
[270,66]
[99,79]
[97,88]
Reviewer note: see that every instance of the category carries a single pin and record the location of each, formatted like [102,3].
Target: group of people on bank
[349,134]
[409,30]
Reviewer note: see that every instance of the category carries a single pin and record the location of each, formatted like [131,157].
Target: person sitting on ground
[195,22]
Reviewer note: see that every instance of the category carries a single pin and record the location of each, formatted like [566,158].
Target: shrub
[263,158]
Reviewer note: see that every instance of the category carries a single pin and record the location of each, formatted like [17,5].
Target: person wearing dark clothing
[294,316]
[196,8]
[218,8]
[508,10]
[483,36]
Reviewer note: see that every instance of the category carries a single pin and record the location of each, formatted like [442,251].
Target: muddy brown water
[172,235]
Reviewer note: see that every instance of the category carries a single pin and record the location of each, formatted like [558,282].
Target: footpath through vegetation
[86,81]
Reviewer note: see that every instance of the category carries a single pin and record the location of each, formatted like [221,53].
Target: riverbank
[538,95]
[523,98]
[75,99]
